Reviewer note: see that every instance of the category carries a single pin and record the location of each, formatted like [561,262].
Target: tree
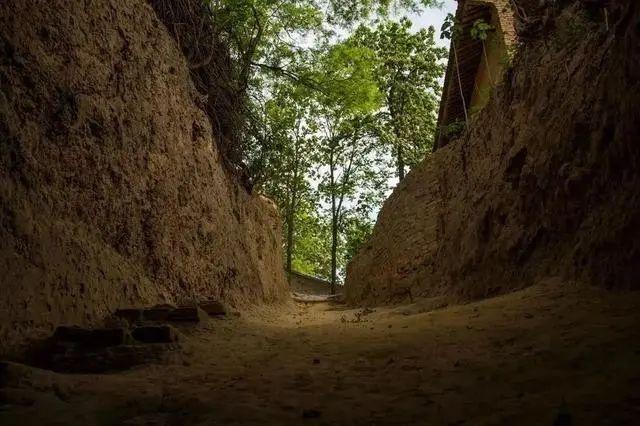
[347,12]
[349,155]
[312,254]
[407,69]
[262,33]
[358,228]
[268,40]
[345,110]
[314,120]
[285,165]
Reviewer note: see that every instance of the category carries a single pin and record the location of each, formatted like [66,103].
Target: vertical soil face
[112,189]
[545,183]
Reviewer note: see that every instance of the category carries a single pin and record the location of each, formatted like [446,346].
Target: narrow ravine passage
[160,159]
[520,359]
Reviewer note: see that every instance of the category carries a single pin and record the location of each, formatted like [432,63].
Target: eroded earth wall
[112,189]
[545,183]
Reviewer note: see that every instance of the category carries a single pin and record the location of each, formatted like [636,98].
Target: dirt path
[511,360]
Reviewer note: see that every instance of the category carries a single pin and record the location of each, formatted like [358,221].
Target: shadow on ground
[535,357]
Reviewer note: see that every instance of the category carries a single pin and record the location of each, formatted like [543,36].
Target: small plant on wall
[480,31]
[452,130]
[508,56]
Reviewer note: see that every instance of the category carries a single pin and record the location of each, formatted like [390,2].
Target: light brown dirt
[544,183]
[112,189]
[509,360]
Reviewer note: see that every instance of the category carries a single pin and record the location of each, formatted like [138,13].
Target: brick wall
[471,59]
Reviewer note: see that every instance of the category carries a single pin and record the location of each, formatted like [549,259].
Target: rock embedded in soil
[162,313]
[20,397]
[164,306]
[80,350]
[103,360]
[94,338]
[157,419]
[132,315]
[157,314]
[213,308]
[4,373]
[311,414]
[155,334]
[187,314]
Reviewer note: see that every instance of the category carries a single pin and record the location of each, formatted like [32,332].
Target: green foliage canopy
[325,114]
[407,68]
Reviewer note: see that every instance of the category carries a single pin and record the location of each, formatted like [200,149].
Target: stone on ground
[213,308]
[103,360]
[131,315]
[155,334]
[95,338]
[163,313]
[186,314]
[157,314]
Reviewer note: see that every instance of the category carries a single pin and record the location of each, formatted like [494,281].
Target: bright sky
[435,17]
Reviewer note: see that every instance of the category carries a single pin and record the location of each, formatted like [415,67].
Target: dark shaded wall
[112,188]
[545,183]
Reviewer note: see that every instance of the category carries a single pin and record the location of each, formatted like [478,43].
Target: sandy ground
[519,359]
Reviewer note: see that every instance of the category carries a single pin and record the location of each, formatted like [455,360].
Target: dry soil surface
[534,357]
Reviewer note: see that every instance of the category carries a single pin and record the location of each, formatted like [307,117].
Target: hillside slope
[112,189]
[545,183]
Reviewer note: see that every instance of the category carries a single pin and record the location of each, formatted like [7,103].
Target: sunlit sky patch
[434,16]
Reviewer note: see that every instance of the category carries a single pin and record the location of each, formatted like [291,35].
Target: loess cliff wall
[546,181]
[112,189]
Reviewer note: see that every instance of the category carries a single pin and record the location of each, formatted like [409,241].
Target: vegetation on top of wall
[314,103]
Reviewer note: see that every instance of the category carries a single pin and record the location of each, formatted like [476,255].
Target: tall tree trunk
[291,219]
[290,231]
[334,253]
[293,204]
[334,225]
